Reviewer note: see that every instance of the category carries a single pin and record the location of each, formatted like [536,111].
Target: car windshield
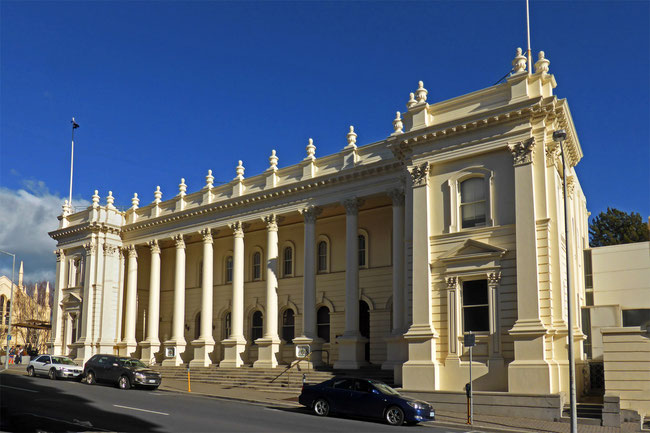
[385,389]
[134,363]
[62,360]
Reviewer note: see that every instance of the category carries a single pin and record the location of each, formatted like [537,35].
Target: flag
[75,125]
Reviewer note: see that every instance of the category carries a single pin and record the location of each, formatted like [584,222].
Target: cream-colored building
[383,253]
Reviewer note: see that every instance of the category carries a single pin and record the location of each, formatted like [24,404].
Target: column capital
[60,254]
[311,213]
[352,205]
[452,283]
[238,228]
[155,248]
[420,174]
[206,234]
[271,222]
[552,153]
[397,196]
[494,278]
[131,251]
[180,241]
[110,250]
[90,247]
[522,151]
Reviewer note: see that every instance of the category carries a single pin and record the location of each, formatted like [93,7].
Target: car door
[114,369]
[101,367]
[339,395]
[41,363]
[367,400]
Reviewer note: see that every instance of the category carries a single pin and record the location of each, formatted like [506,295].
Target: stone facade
[384,253]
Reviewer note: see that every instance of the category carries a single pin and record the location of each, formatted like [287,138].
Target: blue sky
[164,90]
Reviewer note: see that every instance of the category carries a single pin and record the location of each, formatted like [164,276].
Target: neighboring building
[616,319]
[30,323]
[385,253]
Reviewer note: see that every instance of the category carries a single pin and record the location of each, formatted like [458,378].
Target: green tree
[616,227]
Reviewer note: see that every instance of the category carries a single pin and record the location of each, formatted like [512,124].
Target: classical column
[84,343]
[309,336]
[55,345]
[495,329]
[151,345]
[453,320]
[235,344]
[128,345]
[395,344]
[530,372]
[351,343]
[177,343]
[205,344]
[120,295]
[109,294]
[420,372]
[269,345]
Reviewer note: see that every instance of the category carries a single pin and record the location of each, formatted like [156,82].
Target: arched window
[257,325]
[472,202]
[362,251]
[257,265]
[78,272]
[323,323]
[287,262]
[229,269]
[227,321]
[288,325]
[197,326]
[322,256]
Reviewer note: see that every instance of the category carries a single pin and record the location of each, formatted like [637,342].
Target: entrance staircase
[268,379]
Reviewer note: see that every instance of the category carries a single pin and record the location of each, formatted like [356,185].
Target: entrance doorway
[364,326]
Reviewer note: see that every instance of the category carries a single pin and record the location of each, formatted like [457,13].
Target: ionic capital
[132,252]
[452,283]
[310,213]
[420,174]
[206,234]
[494,278]
[271,222]
[397,196]
[179,240]
[352,205]
[522,151]
[153,245]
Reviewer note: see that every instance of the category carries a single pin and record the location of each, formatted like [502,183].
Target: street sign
[302,350]
[170,352]
[8,337]
[470,340]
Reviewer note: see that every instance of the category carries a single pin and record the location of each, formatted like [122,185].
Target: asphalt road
[39,404]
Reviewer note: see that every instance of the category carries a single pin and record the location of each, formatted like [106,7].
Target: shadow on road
[29,405]
[306,411]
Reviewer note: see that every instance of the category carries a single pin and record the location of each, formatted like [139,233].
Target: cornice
[92,227]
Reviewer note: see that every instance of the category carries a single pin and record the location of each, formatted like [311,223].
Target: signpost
[470,341]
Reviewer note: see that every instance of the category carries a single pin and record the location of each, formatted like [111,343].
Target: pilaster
[84,343]
[55,345]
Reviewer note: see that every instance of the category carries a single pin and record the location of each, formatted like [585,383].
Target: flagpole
[530,71]
[74,126]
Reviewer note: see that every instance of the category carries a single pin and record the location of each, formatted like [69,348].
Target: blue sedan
[364,398]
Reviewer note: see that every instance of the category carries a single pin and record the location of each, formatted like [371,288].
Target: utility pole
[11,306]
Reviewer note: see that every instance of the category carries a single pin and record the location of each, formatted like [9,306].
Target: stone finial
[95,198]
[157,195]
[110,200]
[541,65]
[421,93]
[182,188]
[411,102]
[209,180]
[273,161]
[519,62]
[65,209]
[397,123]
[311,150]
[240,171]
[135,201]
[352,138]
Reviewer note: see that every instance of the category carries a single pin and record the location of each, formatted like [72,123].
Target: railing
[296,364]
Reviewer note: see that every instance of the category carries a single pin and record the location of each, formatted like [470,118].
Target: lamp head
[559,135]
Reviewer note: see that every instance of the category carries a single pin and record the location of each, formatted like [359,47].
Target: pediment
[71,299]
[473,250]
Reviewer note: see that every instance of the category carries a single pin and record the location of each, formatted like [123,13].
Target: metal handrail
[289,367]
[323,350]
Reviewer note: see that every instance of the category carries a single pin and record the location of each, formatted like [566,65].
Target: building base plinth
[55,348]
[396,356]
[530,377]
[127,348]
[233,349]
[202,350]
[84,351]
[149,350]
[352,352]
[175,360]
[316,355]
[268,352]
[421,371]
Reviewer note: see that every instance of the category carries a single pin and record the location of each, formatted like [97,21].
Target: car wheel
[90,378]
[124,382]
[321,407]
[394,416]
[52,374]
[30,371]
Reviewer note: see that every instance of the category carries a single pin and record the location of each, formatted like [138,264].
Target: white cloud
[26,216]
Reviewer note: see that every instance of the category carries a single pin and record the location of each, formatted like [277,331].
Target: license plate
[432,414]
[152,380]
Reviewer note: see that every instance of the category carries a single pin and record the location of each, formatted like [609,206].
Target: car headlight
[415,404]
[139,376]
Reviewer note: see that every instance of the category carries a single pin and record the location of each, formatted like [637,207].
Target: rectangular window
[586,329]
[589,280]
[472,202]
[476,312]
[637,317]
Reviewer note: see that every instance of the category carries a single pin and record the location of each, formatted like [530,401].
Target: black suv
[124,372]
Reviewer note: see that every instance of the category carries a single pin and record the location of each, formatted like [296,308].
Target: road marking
[21,389]
[141,410]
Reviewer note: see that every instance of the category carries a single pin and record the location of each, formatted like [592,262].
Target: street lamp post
[11,305]
[560,136]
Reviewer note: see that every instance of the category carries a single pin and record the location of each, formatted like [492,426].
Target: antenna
[530,71]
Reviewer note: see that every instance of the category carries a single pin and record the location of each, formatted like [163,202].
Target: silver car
[54,367]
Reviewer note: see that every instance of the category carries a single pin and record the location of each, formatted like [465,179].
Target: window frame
[228,271]
[364,233]
[322,239]
[288,245]
[485,306]
[455,217]
[256,331]
[226,323]
[321,325]
[466,205]
[285,326]
[256,252]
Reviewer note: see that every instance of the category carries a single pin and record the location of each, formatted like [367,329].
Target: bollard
[189,388]
[468,391]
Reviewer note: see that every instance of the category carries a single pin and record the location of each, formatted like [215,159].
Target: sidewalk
[485,423]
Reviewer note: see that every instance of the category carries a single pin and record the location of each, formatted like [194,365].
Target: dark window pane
[475,292]
[362,250]
[226,325]
[476,319]
[197,326]
[344,384]
[322,256]
[229,269]
[589,283]
[288,261]
[639,317]
[288,328]
[257,266]
[257,329]
[473,215]
[323,323]
[472,190]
